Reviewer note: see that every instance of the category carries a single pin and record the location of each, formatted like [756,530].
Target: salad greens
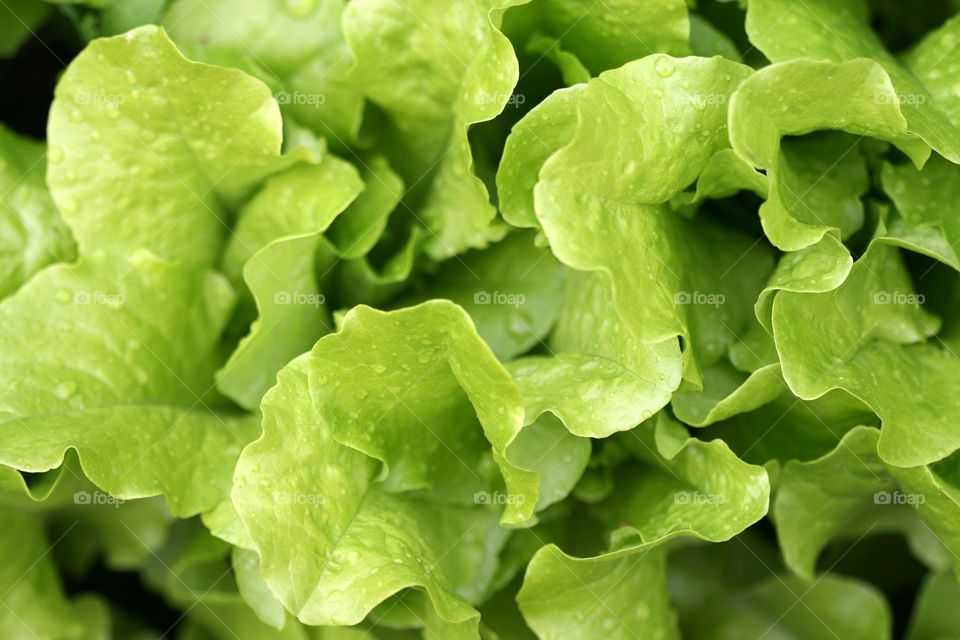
[500,319]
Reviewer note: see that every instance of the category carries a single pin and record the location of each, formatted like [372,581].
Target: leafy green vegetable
[493,319]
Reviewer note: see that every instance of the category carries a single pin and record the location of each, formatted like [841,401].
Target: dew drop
[63,296]
[378,368]
[664,67]
[65,389]
[518,326]
[54,155]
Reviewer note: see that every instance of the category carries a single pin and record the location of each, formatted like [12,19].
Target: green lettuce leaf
[684,487]
[833,607]
[35,605]
[448,70]
[934,615]
[512,291]
[323,590]
[629,30]
[814,185]
[877,355]
[598,378]
[275,242]
[298,49]
[100,367]
[814,505]
[837,32]
[145,156]
[32,234]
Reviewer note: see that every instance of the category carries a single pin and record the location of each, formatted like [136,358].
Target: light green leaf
[928,62]
[360,541]
[253,589]
[297,49]
[32,234]
[707,40]
[686,489]
[818,500]
[559,457]
[726,173]
[870,355]
[791,609]
[926,199]
[818,268]
[621,597]
[628,30]
[927,240]
[100,364]
[512,291]
[357,229]
[840,32]
[34,603]
[447,70]
[275,241]
[408,359]
[815,186]
[599,379]
[599,205]
[569,65]
[145,146]
[362,281]
[727,392]
[129,14]
[546,128]
[935,615]
[850,493]
[792,429]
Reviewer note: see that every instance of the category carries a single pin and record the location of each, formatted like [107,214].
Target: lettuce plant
[496,319]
